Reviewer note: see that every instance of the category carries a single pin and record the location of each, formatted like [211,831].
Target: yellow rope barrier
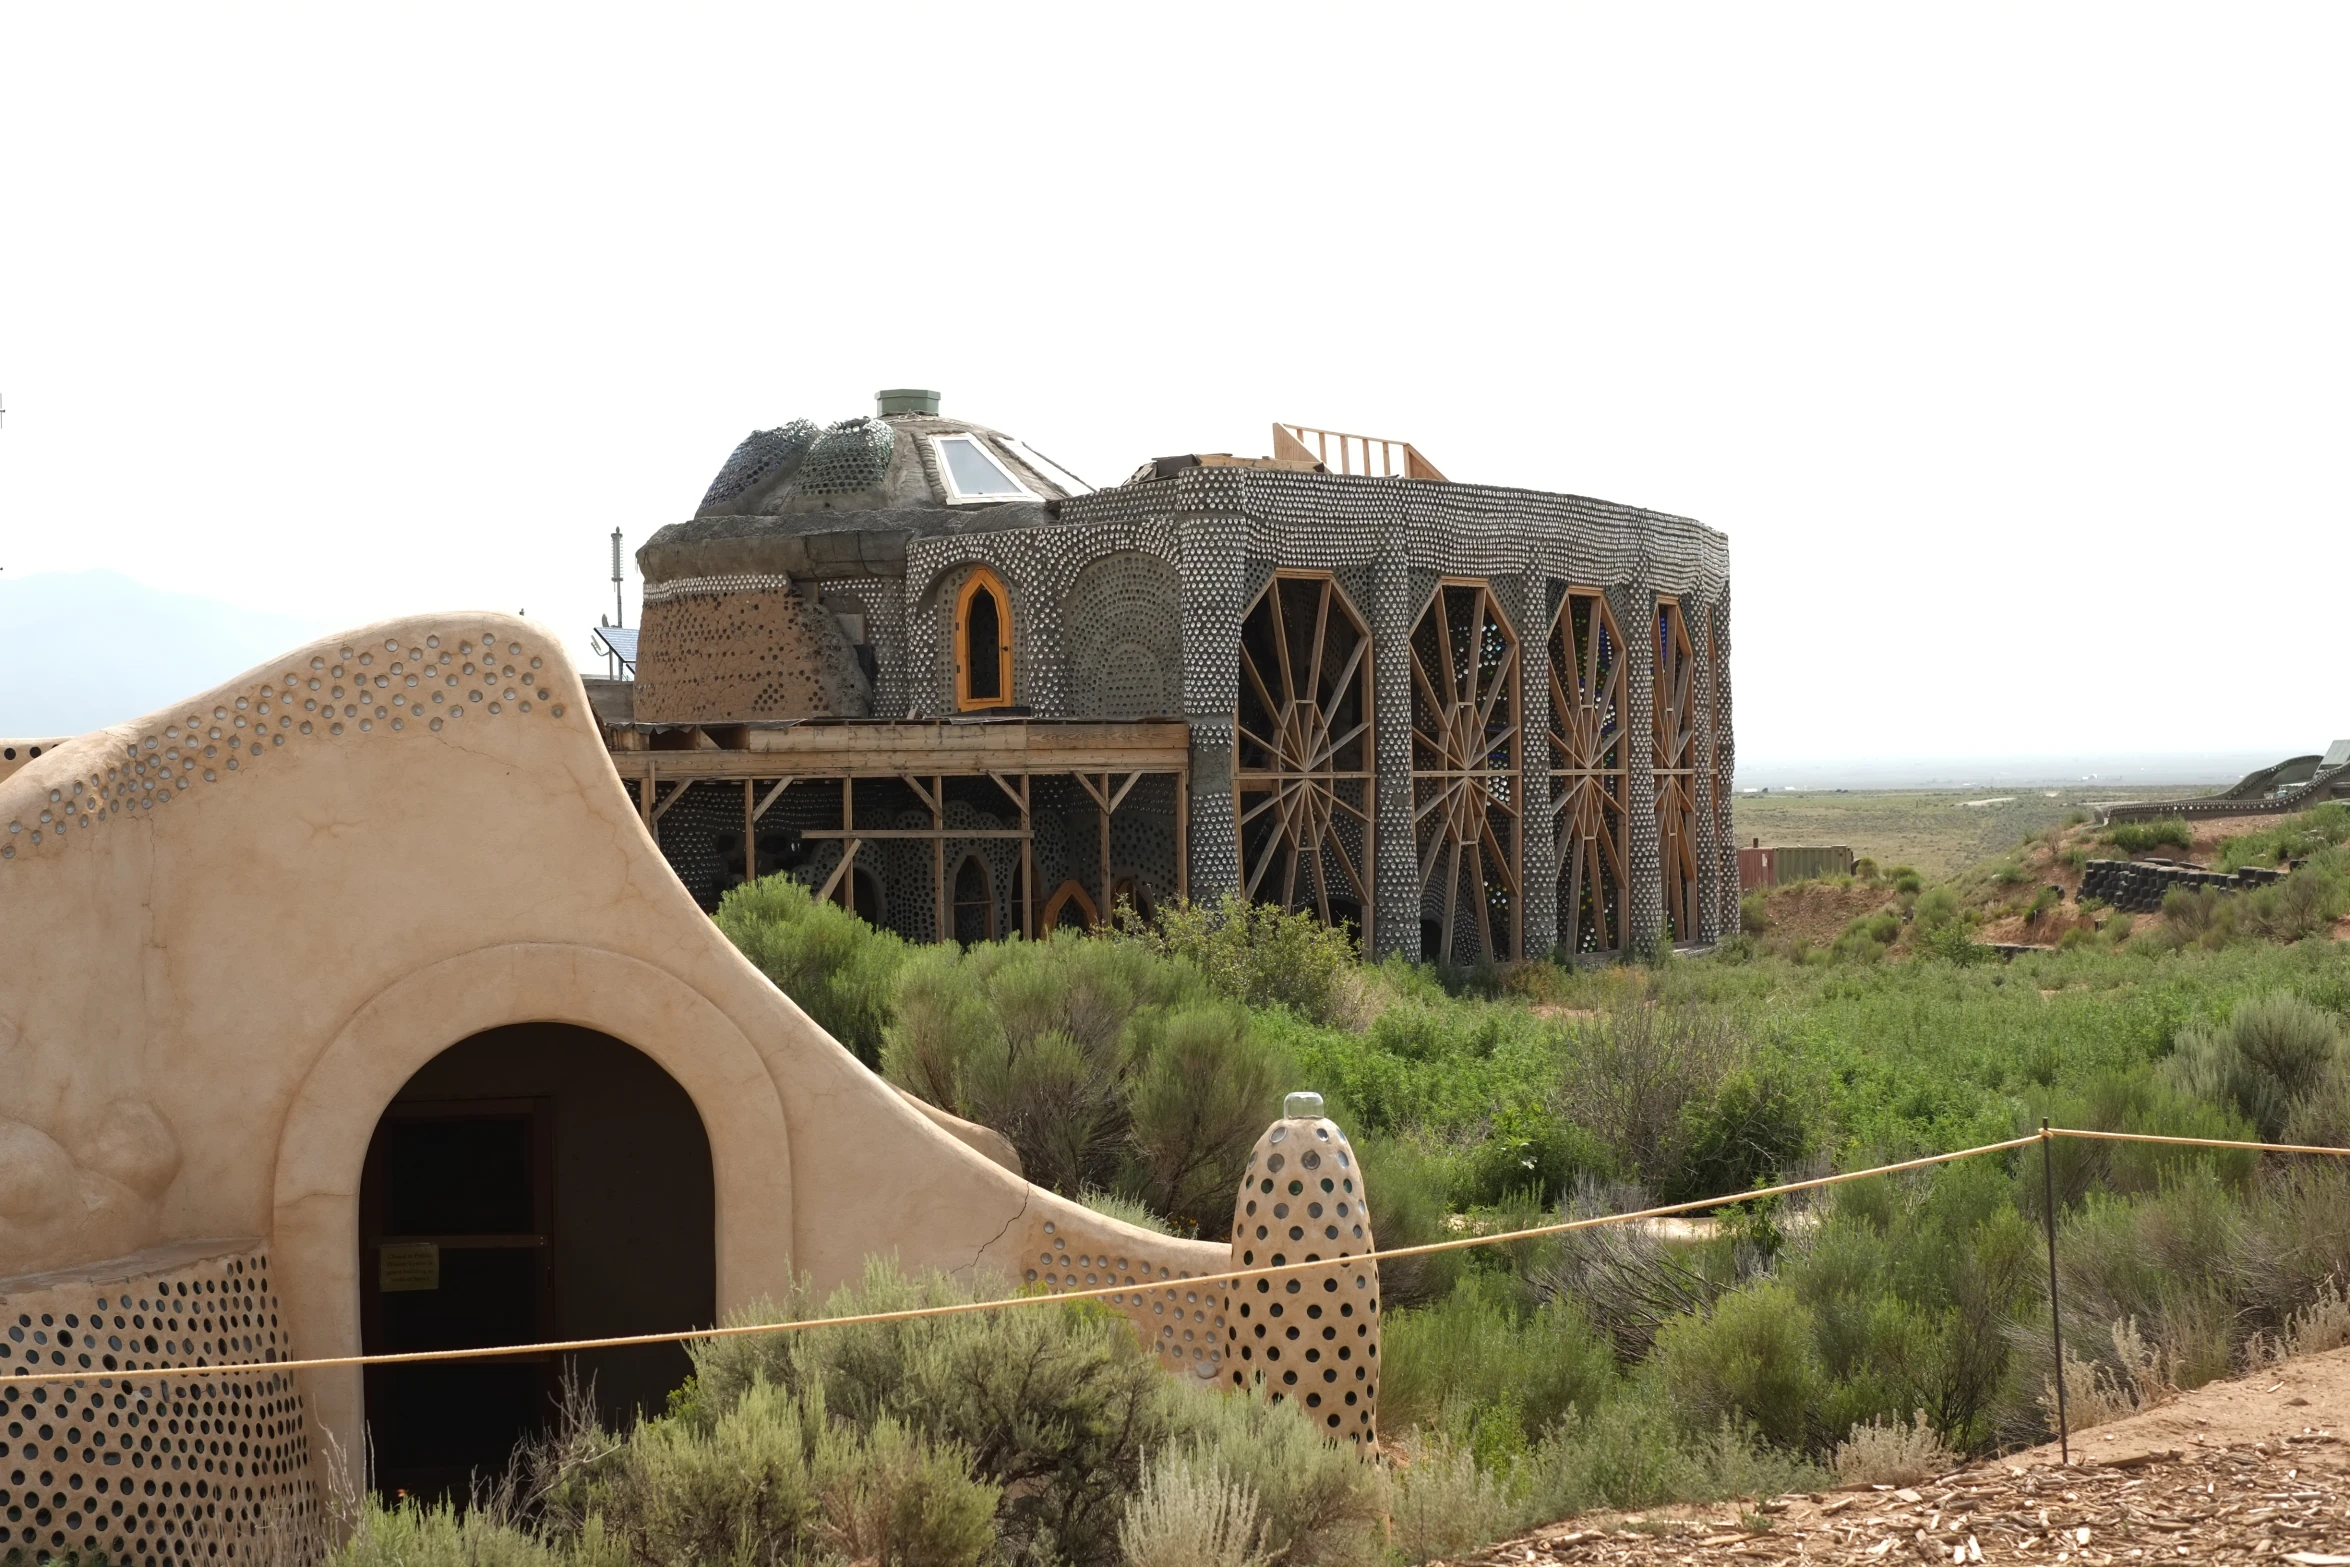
[1236,1276]
[2198,1142]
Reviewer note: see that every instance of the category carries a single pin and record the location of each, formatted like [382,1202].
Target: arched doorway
[537,1181]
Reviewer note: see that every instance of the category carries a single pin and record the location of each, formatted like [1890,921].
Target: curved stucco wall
[233,929]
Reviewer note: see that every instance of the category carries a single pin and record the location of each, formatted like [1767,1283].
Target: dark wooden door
[457,1229]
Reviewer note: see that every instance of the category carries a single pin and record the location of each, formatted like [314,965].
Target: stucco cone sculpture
[1311,1335]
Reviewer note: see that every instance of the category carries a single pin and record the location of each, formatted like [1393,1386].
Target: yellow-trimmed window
[983,642]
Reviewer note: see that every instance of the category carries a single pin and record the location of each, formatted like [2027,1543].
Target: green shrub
[1317,1501]
[1631,1452]
[841,971]
[1445,1504]
[1257,954]
[1935,910]
[1055,1405]
[1629,1079]
[886,1497]
[1190,1515]
[1205,1087]
[2272,1054]
[766,1477]
[1749,1131]
[1406,1188]
[2138,837]
[2304,904]
[2042,901]
[1749,1362]
[1864,869]
[1754,912]
[1480,1349]
[1106,1066]
[1893,1452]
[2295,837]
[1906,880]
[1951,942]
[408,1533]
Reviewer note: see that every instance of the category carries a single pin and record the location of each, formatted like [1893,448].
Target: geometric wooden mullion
[1675,765]
[1303,772]
[1590,773]
[1466,755]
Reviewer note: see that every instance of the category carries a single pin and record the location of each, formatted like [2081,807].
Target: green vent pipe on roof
[906,400]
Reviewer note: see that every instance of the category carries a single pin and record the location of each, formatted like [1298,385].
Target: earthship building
[913,661]
[361,1004]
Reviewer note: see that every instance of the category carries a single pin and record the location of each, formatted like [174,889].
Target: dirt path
[2254,1469]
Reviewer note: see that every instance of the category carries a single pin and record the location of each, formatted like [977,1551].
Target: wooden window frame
[1456,791]
[982,580]
[1069,891]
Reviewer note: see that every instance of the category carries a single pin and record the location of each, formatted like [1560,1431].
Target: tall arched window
[983,642]
[974,907]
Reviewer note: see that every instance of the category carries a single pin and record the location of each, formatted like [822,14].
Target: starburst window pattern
[1466,746]
[1302,763]
[1675,762]
[1590,773]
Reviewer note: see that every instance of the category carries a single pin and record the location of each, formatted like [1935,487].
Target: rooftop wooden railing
[1369,455]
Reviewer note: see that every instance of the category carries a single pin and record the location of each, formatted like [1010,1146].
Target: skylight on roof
[972,473]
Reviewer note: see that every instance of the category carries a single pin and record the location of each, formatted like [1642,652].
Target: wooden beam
[772,796]
[924,834]
[662,804]
[750,832]
[848,855]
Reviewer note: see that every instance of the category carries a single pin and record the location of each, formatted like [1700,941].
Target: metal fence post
[2064,1445]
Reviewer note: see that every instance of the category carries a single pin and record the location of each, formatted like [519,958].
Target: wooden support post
[848,842]
[1027,865]
[1183,835]
[750,833]
[1104,797]
[938,856]
[644,798]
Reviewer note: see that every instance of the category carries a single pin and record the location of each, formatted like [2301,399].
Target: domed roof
[883,462]
[904,474]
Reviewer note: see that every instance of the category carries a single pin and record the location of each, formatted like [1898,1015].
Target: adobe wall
[235,928]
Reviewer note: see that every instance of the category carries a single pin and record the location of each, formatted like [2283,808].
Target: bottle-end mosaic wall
[178,1442]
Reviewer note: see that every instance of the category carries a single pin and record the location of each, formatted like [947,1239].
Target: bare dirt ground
[1816,912]
[2250,1470]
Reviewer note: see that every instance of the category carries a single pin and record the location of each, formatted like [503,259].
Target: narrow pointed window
[983,643]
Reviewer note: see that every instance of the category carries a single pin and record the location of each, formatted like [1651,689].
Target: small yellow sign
[408,1265]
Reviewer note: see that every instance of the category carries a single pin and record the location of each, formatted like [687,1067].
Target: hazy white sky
[2006,343]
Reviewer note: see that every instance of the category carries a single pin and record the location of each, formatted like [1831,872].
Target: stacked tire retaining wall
[2138,886]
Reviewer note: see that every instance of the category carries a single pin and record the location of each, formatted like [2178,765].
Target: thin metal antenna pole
[2064,1444]
[618,576]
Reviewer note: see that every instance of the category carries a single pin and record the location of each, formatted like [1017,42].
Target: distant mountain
[80,650]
